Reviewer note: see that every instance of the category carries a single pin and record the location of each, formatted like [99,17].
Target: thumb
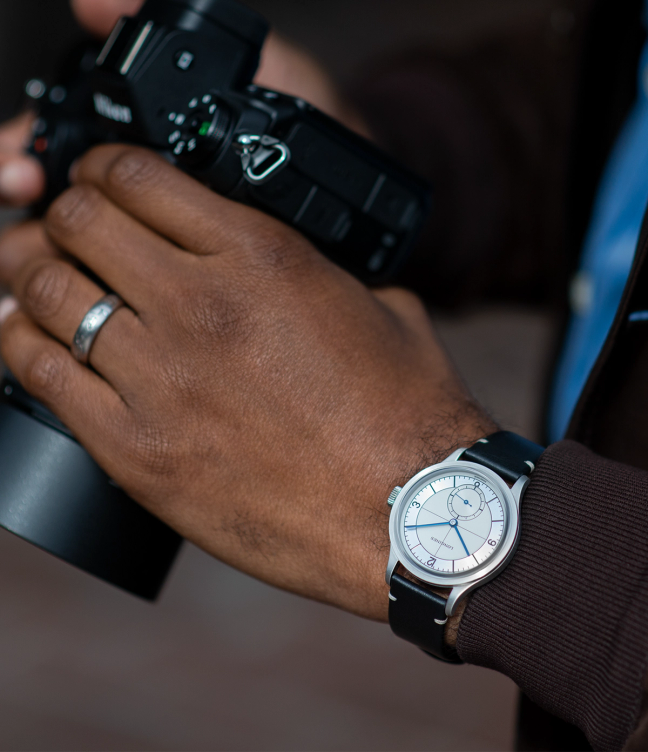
[21,177]
[99,16]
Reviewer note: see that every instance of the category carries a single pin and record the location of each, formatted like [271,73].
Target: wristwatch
[453,527]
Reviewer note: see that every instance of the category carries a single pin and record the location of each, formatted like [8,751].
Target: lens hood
[54,495]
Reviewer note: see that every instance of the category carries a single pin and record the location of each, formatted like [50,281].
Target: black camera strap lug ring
[262,157]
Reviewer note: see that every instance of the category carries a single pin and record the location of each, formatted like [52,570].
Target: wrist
[453,527]
[431,446]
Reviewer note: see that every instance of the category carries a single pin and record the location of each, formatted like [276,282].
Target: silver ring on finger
[91,326]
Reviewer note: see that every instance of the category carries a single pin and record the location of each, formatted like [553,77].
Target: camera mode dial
[199,131]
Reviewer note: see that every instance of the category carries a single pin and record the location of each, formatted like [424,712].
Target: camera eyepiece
[238,19]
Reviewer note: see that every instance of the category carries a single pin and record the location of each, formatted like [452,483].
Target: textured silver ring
[91,326]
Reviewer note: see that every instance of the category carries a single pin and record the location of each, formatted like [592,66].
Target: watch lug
[455,455]
[519,488]
[391,565]
[457,594]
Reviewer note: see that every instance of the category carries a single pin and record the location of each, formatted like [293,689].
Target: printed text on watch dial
[454,524]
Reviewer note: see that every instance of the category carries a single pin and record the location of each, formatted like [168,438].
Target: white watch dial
[453,524]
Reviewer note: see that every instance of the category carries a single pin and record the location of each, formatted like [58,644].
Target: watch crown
[393,495]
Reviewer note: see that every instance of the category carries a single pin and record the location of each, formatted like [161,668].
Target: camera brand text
[108,109]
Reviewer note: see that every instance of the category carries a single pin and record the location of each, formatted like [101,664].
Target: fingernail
[8,305]
[18,179]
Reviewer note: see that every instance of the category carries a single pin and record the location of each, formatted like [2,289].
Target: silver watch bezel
[505,549]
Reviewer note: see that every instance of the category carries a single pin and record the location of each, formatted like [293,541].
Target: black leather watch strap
[506,453]
[416,613]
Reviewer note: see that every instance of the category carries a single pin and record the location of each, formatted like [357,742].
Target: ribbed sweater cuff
[567,620]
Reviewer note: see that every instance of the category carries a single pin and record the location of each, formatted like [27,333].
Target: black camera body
[178,78]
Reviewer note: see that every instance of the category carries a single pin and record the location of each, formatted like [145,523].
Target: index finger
[167,200]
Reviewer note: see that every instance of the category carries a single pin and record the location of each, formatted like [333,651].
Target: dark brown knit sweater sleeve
[567,620]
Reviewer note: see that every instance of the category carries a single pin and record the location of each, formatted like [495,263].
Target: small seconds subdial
[467,501]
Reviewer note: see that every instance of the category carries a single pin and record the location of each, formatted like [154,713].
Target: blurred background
[223,662]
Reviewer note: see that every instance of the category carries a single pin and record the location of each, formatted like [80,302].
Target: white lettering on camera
[108,109]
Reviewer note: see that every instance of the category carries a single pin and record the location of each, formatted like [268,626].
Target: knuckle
[47,374]
[219,317]
[181,381]
[206,313]
[46,288]
[131,169]
[275,248]
[74,210]
[151,450]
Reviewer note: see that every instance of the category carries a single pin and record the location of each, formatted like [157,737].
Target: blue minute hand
[434,524]
[462,540]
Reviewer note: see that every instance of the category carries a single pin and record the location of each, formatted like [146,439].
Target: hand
[254,396]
